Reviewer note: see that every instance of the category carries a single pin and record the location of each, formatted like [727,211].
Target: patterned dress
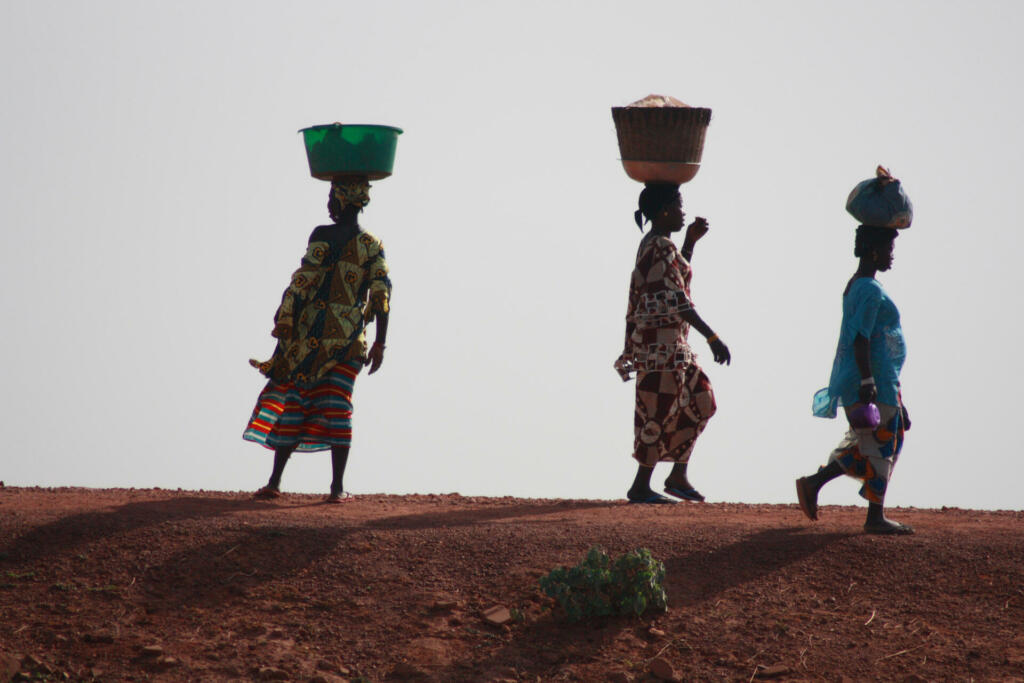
[340,287]
[674,400]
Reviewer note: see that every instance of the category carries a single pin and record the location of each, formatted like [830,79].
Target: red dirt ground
[181,585]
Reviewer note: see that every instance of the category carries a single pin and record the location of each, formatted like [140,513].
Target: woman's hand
[375,356]
[720,351]
[624,366]
[906,418]
[698,228]
[867,393]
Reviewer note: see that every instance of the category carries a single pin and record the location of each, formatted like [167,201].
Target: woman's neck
[866,268]
[661,232]
[346,220]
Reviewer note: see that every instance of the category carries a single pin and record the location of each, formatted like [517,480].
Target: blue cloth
[881,202]
[868,311]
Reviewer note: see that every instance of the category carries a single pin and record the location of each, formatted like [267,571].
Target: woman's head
[660,204]
[347,196]
[876,244]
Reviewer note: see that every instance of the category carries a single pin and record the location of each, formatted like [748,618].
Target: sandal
[266,493]
[808,498]
[887,527]
[653,499]
[691,494]
[338,498]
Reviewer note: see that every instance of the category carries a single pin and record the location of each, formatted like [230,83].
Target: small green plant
[598,587]
[23,575]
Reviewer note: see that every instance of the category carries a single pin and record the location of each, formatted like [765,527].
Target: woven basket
[661,133]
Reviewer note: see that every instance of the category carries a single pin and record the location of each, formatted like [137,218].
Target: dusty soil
[182,585]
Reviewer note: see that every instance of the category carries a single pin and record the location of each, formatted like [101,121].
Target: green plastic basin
[337,149]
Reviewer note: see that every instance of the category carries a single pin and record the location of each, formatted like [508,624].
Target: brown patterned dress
[674,400]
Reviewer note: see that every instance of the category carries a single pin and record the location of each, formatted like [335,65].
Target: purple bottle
[864,416]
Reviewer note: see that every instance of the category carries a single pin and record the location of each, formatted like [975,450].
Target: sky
[155,199]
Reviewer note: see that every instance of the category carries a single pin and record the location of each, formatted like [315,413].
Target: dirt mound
[140,584]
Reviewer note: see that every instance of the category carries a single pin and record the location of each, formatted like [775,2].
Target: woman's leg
[339,459]
[807,488]
[868,455]
[695,406]
[878,523]
[889,437]
[273,487]
[650,409]
[641,488]
[281,456]
[677,477]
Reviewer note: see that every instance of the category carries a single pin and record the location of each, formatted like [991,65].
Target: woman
[674,400]
[341,286]
[866,370]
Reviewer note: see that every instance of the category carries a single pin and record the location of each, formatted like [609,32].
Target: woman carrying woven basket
[865,376]
[674,400]
[341,286]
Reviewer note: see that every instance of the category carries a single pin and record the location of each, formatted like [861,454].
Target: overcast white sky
[155,198]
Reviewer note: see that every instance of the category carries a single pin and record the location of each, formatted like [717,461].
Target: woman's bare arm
[862,356]
[718,347]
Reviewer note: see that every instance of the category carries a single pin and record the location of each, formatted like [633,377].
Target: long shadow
[68,533]
[216,572]
[455,518]
[697,577]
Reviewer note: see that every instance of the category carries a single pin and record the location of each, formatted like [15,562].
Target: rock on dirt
[773,671]
[406,670]
[662,669]
[497,615]
[103,635]
[151,651]
[10,665]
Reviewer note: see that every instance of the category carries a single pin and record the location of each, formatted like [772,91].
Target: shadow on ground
[68,533]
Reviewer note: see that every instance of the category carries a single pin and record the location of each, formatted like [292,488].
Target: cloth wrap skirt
[306,419]
[672,408]
[871,454]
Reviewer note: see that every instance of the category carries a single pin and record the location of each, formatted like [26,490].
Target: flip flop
[338,498]
[266,493]
[807,498]
[653,499]
[686,494]
[889,528]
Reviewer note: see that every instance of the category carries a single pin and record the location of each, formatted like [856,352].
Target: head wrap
[351,192]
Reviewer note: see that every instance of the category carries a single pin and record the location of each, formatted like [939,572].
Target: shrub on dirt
[599,587]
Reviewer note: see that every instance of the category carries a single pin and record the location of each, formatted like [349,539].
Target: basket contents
[335,150]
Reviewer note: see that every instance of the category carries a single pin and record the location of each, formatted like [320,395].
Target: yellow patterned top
[338,290]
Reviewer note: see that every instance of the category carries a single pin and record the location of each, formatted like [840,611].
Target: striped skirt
[306,419]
